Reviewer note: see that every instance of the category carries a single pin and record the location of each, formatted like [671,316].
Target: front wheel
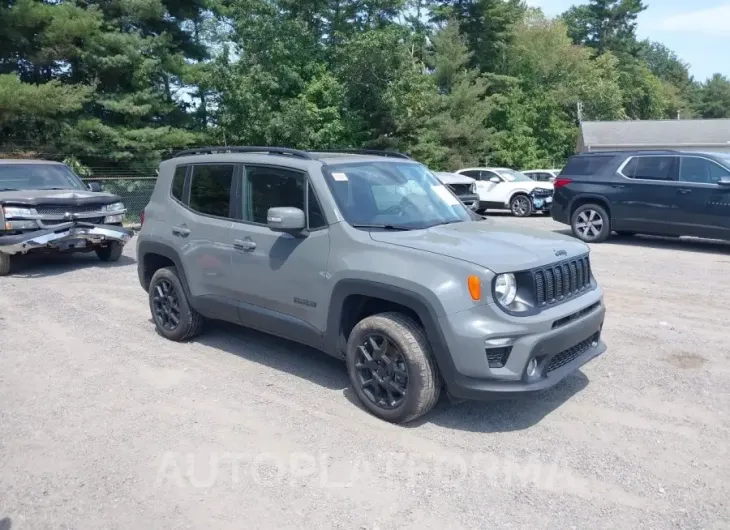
[111,252]
[391,367]
[521,206]
[591,224]
[4,264]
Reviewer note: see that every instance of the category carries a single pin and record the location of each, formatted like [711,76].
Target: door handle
[181,231]
[684,191]
[244,245]
[620,186]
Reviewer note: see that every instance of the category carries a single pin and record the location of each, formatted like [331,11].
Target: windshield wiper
[8,189]
[383,226]
[441,223]
[49,189]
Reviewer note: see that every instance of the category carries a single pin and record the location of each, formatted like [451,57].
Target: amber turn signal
[475,287]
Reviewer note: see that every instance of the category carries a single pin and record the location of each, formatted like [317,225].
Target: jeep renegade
[372,260]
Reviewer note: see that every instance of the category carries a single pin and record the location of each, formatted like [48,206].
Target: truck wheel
[111,252]
[174,318]
[391,367]
[591,224]
[4,264]
[521,205]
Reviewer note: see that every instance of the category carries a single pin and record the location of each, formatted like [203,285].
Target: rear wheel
[174,318]
[590,223]
[4,264]
[521,206]
[391,367]
[111,252]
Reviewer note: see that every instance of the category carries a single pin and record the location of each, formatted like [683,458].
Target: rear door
[204,230]
[703,206]
[644,195]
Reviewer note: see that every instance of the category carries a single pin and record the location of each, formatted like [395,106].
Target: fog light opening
[532,368]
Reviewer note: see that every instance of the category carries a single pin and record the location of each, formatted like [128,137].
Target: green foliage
[453,82]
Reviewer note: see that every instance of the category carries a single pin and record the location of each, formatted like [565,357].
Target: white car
[507,189]
[463,187]
[542,175]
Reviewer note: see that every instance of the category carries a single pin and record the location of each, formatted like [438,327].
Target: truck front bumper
[66,236]
[536,353]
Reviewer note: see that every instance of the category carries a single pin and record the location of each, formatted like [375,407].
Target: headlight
[21,225]
[473,188]
[505,288]
[114,207]
[14,211]
[113,219]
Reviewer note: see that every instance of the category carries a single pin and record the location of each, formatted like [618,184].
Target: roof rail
[246,149]
[376,152]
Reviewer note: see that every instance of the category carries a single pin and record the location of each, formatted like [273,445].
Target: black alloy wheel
[166,305]
[382,372]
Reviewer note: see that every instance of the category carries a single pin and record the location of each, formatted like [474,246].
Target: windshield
[397,194]
[38,177]
[510,175]
[724,158]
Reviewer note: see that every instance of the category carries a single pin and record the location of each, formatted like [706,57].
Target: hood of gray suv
[35,197]
[495,246]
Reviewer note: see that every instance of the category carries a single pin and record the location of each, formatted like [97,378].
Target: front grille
[542,193]
[561,281]
[92,220]
[460,189]
[63,209]
[571,354]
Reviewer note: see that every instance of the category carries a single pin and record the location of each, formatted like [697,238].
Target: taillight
[561,182]
[141,218]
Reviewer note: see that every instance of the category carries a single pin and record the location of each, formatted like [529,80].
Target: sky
[698,31]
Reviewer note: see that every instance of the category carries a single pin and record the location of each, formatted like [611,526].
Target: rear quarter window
[586,165]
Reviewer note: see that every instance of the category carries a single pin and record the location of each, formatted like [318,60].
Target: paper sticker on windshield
[447,197]
[340,177]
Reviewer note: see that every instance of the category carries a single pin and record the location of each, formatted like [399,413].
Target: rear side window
[586,165]
[210,189]
[651,168]
[178,182]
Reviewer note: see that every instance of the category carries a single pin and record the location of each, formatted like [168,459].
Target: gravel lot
[105,424]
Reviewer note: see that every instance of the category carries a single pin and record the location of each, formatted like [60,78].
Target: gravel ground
[105,424]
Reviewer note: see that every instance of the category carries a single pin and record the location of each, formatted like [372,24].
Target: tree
[605,25]
[714,97]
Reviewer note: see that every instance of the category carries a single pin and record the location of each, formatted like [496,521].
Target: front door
[643,195]
[703,205]
[281,279]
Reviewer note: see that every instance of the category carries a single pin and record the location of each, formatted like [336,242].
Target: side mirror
[94,186]
[495,180]
[724,181]
[286,219]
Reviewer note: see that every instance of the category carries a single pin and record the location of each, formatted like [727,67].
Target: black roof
[286,151]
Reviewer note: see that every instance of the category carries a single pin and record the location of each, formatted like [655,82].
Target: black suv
[665,193]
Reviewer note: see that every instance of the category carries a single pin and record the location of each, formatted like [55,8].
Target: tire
[409,351]
[111,252]
[166,282]
[590,223]
[4,264]
[520,205]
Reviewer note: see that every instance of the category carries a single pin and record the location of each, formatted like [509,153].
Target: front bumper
[470,201]
[561,340]
[74,234]
[541,203]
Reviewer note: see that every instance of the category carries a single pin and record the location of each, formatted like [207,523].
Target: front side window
[38,177]
[272,188]
[401,194]
[210,189]
[471,173]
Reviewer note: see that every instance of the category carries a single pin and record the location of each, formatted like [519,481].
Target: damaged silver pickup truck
[45,207]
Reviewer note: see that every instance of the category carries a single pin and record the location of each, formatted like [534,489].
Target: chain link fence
[135,193]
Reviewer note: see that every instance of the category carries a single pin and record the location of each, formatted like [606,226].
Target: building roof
[656,133]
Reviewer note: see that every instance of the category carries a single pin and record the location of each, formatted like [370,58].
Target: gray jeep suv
[371,260]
